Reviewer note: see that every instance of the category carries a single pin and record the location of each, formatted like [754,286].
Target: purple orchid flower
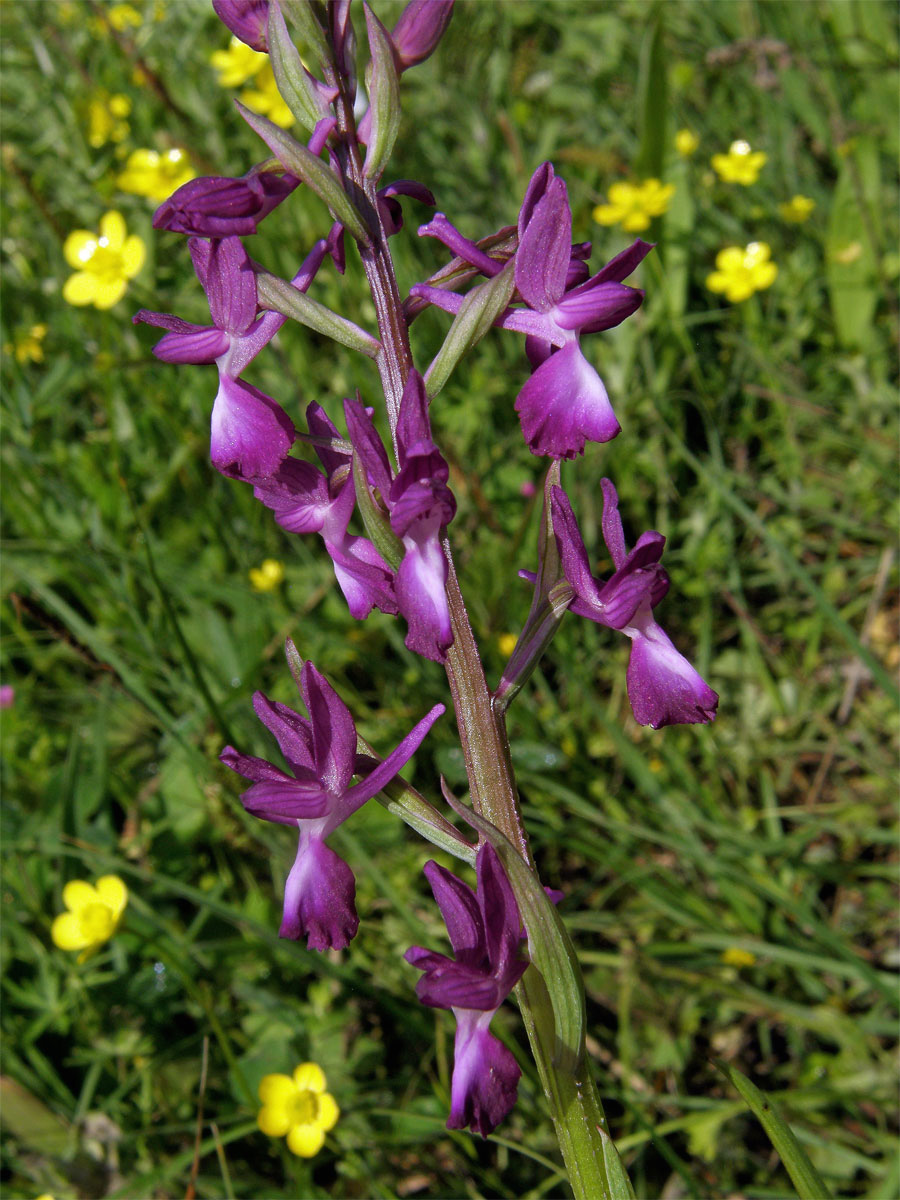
[564,403]
[485,932]
[304,500]
[250,433]
[420,505]
[663,687]
[247,20]
[319,894]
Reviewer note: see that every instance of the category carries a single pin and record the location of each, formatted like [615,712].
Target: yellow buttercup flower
[507,643]
[264,98]
[299,1108]
[686,142]
[742,271]
[107,118]
[154,175]
[104,262]
[95,911]
[734,957]
[267,577]
[26,344]
[740,165]
[634,205]
[797,209]
[121,16]
[238,63]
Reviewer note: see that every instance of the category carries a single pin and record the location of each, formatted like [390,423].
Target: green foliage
[728,889]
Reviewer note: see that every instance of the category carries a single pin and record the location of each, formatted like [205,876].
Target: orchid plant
[530,278]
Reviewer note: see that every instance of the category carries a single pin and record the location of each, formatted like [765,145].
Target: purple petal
[453,985]
[363,576]
[623,264]
[230,286]
[613,533]
[461,912]
[292,732]
[563,404]
[537,188]
[297,494]
[186,343]
[246,19]
[419,30]
[592,308]
[333,731]
[502,922]
[216,206]
[572,552]
[439,227]
[422,593]
[319,898]
[320,424]
[663,687]
[368,445]
[413,426]
[485,1076]
[250,434]
[542,260]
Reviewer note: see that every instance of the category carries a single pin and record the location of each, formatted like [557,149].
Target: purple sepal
[246,19]
[542,260]
[486,1076]
[563,404]
[217,206]
[419,30]
[319,898]
[185,342]
[250,434]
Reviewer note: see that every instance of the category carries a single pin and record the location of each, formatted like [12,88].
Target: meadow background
[730,889]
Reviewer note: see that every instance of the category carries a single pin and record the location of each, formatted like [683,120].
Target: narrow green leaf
[294,82]
[850,267]
[283,297]
[384,97]
[619,1184]
[480,309]
[302,16]
[377,525]
[316,174]
[30,1121]
[652,100]
[803,1174]
[549,944]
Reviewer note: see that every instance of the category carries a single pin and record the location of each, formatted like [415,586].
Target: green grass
[760,438]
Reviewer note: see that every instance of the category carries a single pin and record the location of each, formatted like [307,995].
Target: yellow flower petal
[276,1089]
[66,932]
[635,222]
[109,292]
[273,1121]
[133,254]
[305,1140]
[79,248]
[112,227]
[113,892]
[328,1112]
[78,894]
[309,1077]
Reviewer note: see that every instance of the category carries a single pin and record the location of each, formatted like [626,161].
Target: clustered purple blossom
[399,564]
